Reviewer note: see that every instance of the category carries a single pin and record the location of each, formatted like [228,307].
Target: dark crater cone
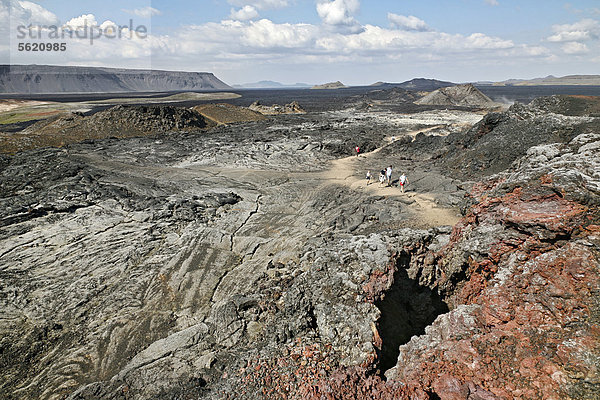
[459,95]
[121,121]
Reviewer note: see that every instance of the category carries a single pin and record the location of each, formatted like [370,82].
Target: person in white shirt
[403,182]
[388,175]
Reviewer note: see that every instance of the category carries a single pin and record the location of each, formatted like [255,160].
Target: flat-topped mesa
[62,79]
[459,95]
[550,80]
[276,109]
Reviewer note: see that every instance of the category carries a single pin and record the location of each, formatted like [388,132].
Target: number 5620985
[42,46]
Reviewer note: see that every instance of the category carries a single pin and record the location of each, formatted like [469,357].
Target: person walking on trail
[357,150]
[368,178]
[388,175]
[381,178]
[403,182]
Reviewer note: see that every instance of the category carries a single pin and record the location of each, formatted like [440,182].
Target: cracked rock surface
[224,265]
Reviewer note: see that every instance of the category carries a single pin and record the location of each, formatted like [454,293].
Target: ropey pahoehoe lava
[159,253]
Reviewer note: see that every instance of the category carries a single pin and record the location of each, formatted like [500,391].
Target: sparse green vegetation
[24,115]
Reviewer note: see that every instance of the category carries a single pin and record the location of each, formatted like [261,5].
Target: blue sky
[315,41]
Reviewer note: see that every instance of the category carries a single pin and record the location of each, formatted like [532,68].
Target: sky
[312,41]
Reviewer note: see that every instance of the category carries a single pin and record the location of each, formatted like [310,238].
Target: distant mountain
[63,79]
[459,95]
[331,85]
[420,84]
[550,80]
[271,85]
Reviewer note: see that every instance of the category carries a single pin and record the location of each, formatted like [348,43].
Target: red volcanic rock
[525,336]
[378,283]
[521,271]
[526,320]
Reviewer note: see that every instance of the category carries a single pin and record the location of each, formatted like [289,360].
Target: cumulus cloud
[127,47]
[144,12]
[585,29]
[492,2]
[243,14]
[266,34]
[575,48]
[375,38]
[25,13]
[85,20]
[234,40]
[339,13]
[16,14]
[245,39]
[260,4]
[410,23]
[36,13]
[245,42]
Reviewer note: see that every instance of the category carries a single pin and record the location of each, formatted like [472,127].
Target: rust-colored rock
[521,272]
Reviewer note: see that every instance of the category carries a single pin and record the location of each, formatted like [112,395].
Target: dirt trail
[423,205]
[425,212]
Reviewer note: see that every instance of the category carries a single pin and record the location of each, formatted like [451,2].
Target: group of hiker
[385,178]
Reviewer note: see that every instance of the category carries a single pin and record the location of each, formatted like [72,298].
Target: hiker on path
[403,182]
[381,178]
[368,178]
[357,150]
[388,174]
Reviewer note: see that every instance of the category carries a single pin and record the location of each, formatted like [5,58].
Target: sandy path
[423,205]
[425,212]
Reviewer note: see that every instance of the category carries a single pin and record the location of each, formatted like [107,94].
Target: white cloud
[24,13]
[243,14]
[260,4]
[266,34]
[410,23]
[82,21]
[338,12]
[375,38]
[585,29]
[492,2]
[244,44]
[144,12]
[245,39]
[38,14]
[532,51]
[107,24]
[16,15]
[575,48]
[264,39]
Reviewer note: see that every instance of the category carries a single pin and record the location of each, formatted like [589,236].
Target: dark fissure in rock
[406,310]
[433,396]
